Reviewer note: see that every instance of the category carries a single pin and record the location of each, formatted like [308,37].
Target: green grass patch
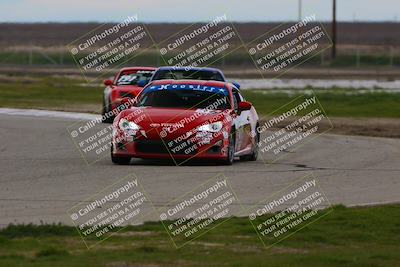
[336,102]
[237,58]
[31,230]
[63,93]
[51,252]
[346,237]
[48,92]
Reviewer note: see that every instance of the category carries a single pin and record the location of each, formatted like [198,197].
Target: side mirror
[108,82]
[142,83]
[244,105]
[236,85]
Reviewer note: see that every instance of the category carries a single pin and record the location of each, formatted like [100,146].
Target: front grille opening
[158,147]
[214,149]
[121,146]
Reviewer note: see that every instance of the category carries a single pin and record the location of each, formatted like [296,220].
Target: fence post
[358,58]
[30,55]
[322,58]
[391,56]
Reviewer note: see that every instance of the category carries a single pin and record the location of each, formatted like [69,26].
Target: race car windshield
[177,74]
[185,97]
[133,77]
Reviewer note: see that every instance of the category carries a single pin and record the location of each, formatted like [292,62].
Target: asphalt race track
[43,175]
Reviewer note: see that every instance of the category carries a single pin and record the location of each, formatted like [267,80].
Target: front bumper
[160,148]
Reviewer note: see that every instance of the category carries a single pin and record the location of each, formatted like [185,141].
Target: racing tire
[105,110]
[254,153]
[231,151]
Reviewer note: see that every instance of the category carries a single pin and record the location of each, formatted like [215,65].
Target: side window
[241,97]
[236,98]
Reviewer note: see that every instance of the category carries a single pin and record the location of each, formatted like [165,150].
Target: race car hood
[174,122]
[127,87]
[118,91]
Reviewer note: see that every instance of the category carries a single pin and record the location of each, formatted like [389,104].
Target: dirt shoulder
[250,72]
[376,127]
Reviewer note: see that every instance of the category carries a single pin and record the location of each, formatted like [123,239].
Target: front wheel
[254,152]
[105,110]
[231,151]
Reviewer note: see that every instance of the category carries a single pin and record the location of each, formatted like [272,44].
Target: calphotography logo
[110,210]
[200,45]
[290,127]
[289,210]
[288,45]
[108,46]
[197,212]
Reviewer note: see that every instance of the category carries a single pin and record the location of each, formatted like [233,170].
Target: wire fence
[350,57]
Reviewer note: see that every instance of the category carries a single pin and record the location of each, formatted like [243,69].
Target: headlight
[212,127]
[128,125]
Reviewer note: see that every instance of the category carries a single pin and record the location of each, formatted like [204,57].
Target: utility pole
[334,30]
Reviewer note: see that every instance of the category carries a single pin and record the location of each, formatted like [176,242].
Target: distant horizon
[178,11]
[185,22]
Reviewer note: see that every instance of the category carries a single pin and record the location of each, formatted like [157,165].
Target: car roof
[188,68]
[194,82]
[137,68]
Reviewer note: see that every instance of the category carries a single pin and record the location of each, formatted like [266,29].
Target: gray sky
[190,11]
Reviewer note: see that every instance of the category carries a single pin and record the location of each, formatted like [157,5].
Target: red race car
[125,86]
[184,119]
